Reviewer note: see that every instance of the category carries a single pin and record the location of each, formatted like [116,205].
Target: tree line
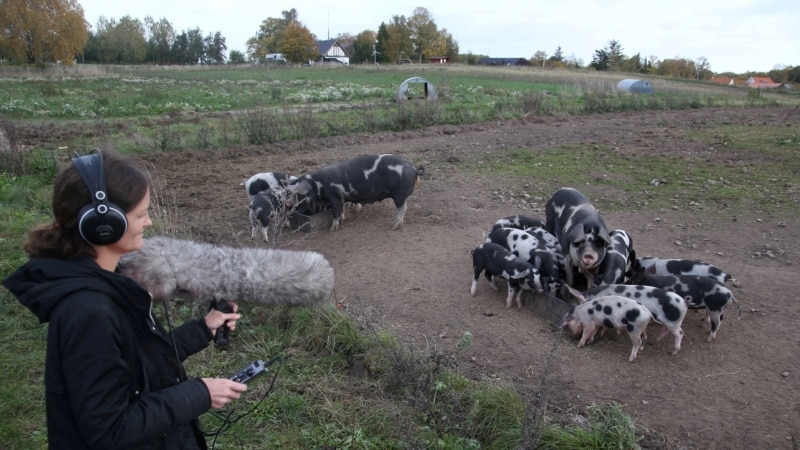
[54,31]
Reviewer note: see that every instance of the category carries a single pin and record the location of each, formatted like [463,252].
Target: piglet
[496,261]
[611,311]
[664,266]
[700,292]
[668,308]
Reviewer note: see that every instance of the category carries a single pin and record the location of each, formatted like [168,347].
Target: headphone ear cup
[102,229]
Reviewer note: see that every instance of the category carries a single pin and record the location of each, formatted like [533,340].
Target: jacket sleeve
[191,337]
[93,346]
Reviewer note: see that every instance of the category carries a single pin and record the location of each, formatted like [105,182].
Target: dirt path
[741,391]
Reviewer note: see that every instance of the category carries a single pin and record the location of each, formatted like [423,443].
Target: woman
[113,375]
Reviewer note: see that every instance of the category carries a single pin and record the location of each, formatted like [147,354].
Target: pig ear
[651,270]
[579,236]
[603,234]
[575,293]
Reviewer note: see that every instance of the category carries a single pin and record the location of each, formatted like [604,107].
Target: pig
[580,231]
[365,179]
[529,248]
[518,221]
[609,311]
[700,292]
[265,181]
[496,261]
[615,265]
[265,206]
[663,266]
[667,308]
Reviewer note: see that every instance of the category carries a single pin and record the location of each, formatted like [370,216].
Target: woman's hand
[215,319]
[223,391]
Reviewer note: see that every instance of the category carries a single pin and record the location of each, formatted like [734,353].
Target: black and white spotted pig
[699,292]
[365,179]
[527,247]
[667,308]
[265,206]
[265,181]
[520,222]
[665,266]
[615,266]
[580,230]
[497,262]
[607,312]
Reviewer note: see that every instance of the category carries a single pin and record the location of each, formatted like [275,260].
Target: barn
[635,86]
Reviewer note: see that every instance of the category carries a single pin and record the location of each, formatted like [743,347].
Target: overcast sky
[733,35]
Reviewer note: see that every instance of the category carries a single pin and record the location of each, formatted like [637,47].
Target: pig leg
[715,317]
[588,334]
[519,298]
[337,207]
[511,294]
[477,269]
[637,343]
[398,218]
[492,282]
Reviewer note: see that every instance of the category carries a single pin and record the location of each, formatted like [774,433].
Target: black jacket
[112,380]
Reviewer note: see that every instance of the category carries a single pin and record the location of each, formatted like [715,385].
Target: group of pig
[572,255]
[361,180]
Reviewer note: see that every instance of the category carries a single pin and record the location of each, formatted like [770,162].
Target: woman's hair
[126,186]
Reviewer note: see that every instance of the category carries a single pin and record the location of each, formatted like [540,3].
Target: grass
[340,386]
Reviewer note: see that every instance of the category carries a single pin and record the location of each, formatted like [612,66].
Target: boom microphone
[172,267]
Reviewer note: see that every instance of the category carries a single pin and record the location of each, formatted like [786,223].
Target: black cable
[227,422]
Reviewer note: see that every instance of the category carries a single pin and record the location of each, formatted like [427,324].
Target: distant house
[762,83]
[331,51]
[439,59]
[723,80]
[503,62]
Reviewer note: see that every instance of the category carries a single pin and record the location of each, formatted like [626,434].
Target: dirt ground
[740,392]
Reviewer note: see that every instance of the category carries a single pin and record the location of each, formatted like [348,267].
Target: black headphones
[100,222]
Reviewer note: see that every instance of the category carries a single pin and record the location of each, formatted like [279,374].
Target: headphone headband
[91,169]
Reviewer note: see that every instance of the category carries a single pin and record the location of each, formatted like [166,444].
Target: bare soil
[741,391]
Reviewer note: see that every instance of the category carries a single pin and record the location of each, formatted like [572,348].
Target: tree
[398,44]
[299,45]
[162,36]
[270,35]
[558,56]
[35,32]
[615,55]
[423,33]
[539,58]
[380,44]
[123,41]
[701,67]
[215,48]
[236,57]
[362,46]
[601,60]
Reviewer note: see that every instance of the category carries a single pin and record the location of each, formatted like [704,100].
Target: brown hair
[126,185]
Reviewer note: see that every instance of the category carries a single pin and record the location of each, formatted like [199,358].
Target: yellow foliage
[42,31]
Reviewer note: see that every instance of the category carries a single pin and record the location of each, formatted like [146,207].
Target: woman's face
[138,220]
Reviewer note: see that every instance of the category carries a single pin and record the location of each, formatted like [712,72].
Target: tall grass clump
[260,124]
[609,428]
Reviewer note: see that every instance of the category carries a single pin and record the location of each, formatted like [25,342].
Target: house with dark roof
[330,51]
[503,62]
